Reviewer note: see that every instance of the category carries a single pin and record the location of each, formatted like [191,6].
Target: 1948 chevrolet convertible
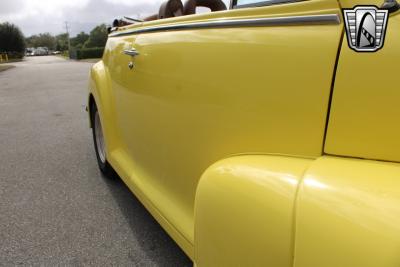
[266,134]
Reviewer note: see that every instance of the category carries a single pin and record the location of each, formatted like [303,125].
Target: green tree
[62,42]
[11,38]
[42,40]
[98,37]
[79,40]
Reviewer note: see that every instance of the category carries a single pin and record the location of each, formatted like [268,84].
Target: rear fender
[348,214]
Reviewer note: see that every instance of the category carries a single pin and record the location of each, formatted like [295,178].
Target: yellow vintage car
[262,134]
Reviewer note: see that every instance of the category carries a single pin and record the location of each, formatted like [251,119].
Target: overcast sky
[38,16]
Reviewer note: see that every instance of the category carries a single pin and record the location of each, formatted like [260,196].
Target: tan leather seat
[215,5]
[152,17]
[171,8]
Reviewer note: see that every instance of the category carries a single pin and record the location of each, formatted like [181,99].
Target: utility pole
[67,29]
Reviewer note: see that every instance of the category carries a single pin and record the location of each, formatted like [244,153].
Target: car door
[253,80]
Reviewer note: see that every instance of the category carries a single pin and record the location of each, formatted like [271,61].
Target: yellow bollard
[6,57]
[1,58]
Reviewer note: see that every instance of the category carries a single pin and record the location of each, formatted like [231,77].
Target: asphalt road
[56,209]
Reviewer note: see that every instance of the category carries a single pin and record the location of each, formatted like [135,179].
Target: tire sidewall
[102,165]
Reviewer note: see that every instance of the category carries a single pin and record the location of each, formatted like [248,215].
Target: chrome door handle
[131,52]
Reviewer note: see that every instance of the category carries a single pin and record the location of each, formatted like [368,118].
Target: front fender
[244,211]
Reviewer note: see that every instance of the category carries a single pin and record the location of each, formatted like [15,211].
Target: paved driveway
[55,207]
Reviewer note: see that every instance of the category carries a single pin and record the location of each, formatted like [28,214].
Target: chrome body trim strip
[230,23]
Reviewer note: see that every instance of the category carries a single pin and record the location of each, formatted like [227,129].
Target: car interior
[175,8]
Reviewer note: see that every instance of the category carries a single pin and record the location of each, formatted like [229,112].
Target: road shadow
[154,241]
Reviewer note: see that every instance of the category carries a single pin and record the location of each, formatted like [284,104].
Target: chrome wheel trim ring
[98,131]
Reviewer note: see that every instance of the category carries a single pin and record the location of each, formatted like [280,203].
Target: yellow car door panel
[198,92]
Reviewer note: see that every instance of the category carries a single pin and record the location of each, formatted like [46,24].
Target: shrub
[95,52]
[65,54]
[15,55]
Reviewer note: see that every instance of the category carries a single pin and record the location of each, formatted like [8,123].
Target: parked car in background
[30,51]
[41,51]
[263,135]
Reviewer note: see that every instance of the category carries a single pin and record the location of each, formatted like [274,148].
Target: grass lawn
[11,61]
[5,67]
[64,56]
